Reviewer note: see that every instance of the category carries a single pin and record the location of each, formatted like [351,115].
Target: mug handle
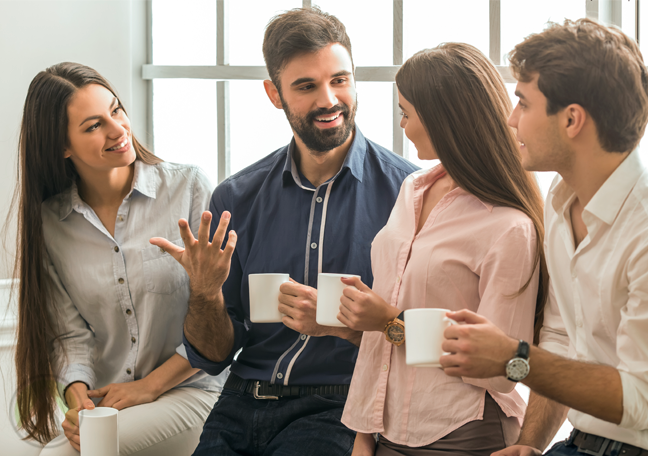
[449,320]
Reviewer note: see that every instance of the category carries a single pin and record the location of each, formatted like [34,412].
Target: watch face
[517,369]
[395,333]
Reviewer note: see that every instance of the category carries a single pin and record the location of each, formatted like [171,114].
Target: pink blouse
[468,255]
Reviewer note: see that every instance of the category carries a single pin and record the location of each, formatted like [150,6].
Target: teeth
[119,146]
[327,119]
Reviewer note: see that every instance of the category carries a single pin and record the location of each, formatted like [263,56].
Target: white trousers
[169,426]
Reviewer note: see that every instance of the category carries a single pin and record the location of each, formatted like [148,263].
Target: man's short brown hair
[299,31]
[597,67]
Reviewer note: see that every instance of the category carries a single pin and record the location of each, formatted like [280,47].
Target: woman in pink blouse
[466,234]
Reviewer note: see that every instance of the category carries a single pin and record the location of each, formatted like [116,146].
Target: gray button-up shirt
[120,301]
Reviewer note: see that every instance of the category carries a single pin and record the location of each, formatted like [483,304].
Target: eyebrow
[299,81]
[401,106]
[99,117]
[519,95]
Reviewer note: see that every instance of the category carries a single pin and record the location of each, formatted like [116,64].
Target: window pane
[375,112]
[370,27]
[184,123]
[427,23]
[247,23]
[521,18]
[257,128]
[184,33]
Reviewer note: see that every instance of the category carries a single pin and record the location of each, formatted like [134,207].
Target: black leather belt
[600,446]
[262,389]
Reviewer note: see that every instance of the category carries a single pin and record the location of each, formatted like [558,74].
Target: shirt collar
[145,180]
[608,200]
[354,160]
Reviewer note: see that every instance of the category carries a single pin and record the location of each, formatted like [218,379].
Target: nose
[116,128]
[403,122]
[326,97]
[514,117]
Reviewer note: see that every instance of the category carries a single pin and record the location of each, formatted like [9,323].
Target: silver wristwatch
[518,367]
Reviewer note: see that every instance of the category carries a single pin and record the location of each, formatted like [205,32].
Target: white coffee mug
[424,335]
[329,292]
[264,297]
[98,432]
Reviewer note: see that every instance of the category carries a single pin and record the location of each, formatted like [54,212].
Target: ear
[67,153]
[574,117]
[273,93]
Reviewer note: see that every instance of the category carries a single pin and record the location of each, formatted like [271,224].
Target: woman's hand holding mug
[77,398]
[362,309]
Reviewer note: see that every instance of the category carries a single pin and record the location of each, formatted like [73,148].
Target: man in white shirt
[582,112]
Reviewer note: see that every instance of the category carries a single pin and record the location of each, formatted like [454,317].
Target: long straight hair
[462,101]
[43,173]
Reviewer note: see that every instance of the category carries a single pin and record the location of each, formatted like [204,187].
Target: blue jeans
[561,449]
[309,425]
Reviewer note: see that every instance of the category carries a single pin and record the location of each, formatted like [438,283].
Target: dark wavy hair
[299,31]
[42,173]
[597,67]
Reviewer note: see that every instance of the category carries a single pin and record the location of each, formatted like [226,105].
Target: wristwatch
[395,330]
[518,367]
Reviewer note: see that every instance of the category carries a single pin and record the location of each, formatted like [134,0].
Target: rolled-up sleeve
[73,348]
[231,293]
[632,345]
[504,271]
[553,335]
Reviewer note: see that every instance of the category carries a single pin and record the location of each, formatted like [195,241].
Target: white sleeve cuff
[75,373]
[182,351]
[635,402]
[554,342]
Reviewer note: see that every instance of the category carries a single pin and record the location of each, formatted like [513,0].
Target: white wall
[108,35]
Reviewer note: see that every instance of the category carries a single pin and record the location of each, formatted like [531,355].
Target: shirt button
[279,375]
[313,245]
[120,280]
[385,367]
[121,218]
[116,249]
[128,371]
[162,250]
[398,279]
[128,312]
[303,337]
[579,322]
[133,340]
[318,199]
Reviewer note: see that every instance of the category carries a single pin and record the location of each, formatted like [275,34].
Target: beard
[322,140]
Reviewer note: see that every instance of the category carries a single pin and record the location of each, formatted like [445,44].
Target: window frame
[608,11]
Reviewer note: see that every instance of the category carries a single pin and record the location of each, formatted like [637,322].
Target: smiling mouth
[328,119]
[119,146]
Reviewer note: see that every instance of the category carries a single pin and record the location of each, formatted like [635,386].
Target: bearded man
[312,206]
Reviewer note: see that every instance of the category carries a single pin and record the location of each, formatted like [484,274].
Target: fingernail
[227,216]
[205,217]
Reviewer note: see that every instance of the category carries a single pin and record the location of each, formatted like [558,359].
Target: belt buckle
[600,452]
[256,393]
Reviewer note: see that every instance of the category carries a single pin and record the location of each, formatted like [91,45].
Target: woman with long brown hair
[100,309]
[467,233]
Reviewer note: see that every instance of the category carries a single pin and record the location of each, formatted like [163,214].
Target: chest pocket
[162,273]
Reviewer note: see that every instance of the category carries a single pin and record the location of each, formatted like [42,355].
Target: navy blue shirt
[286,225]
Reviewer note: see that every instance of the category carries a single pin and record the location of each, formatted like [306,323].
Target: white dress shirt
[600,311]
[120,301]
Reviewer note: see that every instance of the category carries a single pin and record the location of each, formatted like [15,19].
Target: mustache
[344,109]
